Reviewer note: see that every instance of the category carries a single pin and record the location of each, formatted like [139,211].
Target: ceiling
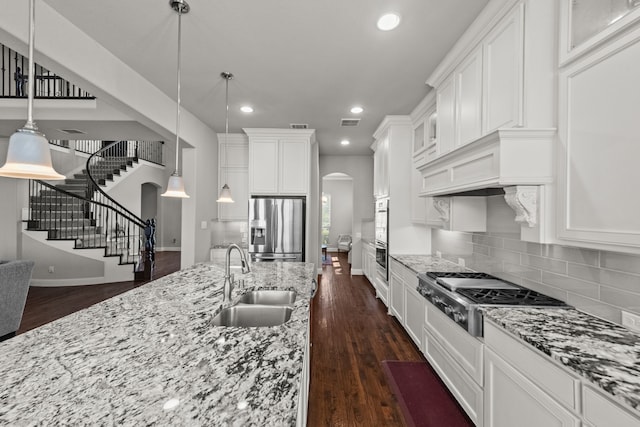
[294,61]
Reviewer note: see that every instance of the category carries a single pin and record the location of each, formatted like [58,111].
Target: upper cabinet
[393,174]
[279,161]
[588,24]
[233,162]
[598,148]
[496,126]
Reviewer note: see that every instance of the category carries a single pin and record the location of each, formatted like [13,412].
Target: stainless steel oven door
[381,259]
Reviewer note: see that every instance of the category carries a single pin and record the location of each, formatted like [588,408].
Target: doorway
[337,209]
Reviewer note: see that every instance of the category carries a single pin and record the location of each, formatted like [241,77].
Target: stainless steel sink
[268,297]
[253,315]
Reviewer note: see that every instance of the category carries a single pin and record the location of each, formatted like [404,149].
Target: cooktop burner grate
[461,275]
[509,297]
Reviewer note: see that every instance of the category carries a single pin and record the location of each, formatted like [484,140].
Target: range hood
[517,161]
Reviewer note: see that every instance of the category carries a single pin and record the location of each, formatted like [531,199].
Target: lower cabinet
[512,400]
[406,304]
[526,388]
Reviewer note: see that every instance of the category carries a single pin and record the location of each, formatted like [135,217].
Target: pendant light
[28,155]
[175,187]
[225,192]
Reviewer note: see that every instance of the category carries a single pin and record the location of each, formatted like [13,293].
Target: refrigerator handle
[274,225]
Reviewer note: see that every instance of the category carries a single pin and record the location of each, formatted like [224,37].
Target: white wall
[68,52]
[341,191]
[360,168]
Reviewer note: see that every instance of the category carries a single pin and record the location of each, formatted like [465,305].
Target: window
[326,217]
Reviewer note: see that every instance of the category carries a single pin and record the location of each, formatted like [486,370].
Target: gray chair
[15,277]
[344,242]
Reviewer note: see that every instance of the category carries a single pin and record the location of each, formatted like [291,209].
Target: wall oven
[382,236]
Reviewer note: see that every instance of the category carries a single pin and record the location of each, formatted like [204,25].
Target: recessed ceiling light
[344,142]
[357,110]
[388,21]
[246,109]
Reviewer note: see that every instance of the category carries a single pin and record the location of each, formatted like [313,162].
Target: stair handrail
[116,227]
[96,187]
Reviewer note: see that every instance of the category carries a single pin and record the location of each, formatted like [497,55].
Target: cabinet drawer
[537,367]
[463,348]
[462,386]
[599,411]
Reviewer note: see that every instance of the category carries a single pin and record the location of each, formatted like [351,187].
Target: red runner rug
[423,399]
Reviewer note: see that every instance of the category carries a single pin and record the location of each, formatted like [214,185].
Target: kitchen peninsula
[152,356]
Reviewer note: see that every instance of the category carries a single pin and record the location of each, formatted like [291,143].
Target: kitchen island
[152,356]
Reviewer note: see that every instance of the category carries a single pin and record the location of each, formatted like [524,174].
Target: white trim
[356,272]
[79,281]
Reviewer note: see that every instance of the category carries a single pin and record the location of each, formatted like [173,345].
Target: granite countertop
[422,263]
[151,356]
[603,353]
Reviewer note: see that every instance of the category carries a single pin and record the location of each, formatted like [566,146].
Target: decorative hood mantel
[517,160]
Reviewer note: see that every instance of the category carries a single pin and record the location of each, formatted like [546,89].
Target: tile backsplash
[600,283]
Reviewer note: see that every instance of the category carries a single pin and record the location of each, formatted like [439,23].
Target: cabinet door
[263,166]
[469,99]
[510,399]
[599,149]
[238,181]
[396,291]
[413,313]
[293,167]
[446,103]
[503,73]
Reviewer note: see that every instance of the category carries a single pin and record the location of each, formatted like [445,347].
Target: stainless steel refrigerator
[276,228]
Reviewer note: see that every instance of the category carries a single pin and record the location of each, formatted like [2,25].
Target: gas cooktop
[516,296]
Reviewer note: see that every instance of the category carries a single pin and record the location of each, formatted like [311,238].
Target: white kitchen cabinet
[598,148]
[406,304]
[233,163]
[466,391]
[413,311]
[503,73]
[393,176]
[446,104]
[600,411]
[396,293]
[279,161]
[511,399]
[460,213]
[424,119]
[369,262]
[381,167]
[468,99]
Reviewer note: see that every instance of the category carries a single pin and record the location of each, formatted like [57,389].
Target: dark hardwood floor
[351,335]
[45,304]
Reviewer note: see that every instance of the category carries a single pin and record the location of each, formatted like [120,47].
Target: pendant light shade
[28,156]
[175,187]
[225,192]
[225,195]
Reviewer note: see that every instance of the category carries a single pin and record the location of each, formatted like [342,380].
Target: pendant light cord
[178,85]
[31,72]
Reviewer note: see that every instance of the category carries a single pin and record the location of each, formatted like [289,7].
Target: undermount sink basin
[253,315]
[268,297]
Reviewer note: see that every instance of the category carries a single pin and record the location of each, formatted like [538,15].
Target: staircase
[79,210]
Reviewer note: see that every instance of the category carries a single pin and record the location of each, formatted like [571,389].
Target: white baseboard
[356,272]
[168,249]
[79,281]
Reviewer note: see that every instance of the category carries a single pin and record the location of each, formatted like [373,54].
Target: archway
[336,210]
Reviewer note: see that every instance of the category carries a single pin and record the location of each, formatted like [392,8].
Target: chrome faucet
[228,277]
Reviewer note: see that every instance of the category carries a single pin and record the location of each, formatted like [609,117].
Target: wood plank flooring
[45,305]
[351,335]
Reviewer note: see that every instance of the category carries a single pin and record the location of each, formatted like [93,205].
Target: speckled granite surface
[422,263]
[151,356]
[605,354]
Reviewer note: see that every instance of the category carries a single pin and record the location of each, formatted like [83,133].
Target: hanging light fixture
[28,155]
[175,187]
[225,192]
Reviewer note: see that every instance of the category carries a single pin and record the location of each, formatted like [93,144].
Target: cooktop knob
[448,309]
[459,317]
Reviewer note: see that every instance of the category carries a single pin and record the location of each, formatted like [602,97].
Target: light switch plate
[439,254]
[461,262]
[631,321]
[204,225]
